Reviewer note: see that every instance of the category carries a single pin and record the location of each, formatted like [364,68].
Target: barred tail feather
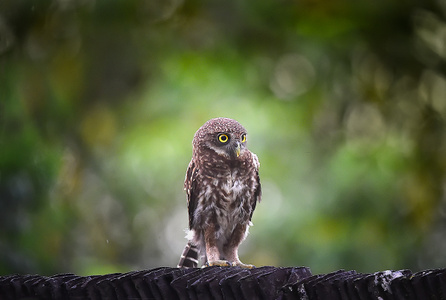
[189,258]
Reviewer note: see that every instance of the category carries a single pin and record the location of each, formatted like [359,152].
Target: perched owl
[223,188]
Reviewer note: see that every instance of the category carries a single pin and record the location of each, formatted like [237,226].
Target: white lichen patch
[385,278]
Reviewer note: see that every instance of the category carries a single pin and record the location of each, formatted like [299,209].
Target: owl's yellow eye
[223,138]
[243,138]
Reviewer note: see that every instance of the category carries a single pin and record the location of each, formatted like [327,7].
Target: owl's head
[224,136]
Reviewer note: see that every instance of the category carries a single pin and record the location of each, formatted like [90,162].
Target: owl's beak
[237,149]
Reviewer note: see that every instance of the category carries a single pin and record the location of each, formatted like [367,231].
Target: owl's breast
[234,196]
[226,194]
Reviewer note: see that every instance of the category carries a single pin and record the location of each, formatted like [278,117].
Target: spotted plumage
[223,187]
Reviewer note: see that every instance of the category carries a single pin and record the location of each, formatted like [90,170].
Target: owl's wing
[190,185]
[258,189]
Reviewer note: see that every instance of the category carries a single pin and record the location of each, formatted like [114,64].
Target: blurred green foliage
[344,102]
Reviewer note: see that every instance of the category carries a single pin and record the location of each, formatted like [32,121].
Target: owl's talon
[244,266]
[218,263]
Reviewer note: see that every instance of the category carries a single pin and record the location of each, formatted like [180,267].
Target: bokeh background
[344,102]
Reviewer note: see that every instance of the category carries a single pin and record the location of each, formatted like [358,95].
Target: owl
[223,187]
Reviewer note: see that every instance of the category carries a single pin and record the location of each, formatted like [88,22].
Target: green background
[344,102]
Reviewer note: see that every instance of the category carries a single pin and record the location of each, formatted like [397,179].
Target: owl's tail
[189,258]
